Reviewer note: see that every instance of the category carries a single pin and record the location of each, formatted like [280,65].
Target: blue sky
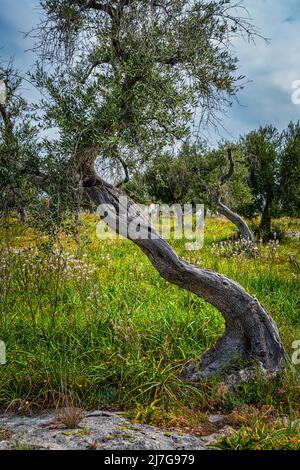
[270,68]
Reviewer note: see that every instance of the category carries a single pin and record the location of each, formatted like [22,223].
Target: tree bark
[22,215]
[236,219]
[251,336]
[265,223]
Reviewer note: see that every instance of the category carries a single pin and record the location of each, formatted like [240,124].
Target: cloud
[17,18]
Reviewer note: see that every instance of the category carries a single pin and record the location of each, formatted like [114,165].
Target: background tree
[18,146]
[290,171]
[236,188]
[262,149]
[199,175]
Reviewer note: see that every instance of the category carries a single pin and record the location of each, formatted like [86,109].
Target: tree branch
[8,125]
[94,5]
[126,171]
[92,67]
[235,218]
[230,172]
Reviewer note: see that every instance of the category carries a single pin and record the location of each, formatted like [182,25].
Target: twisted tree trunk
[22,215]
[265,223]
[251,336]
[236,219]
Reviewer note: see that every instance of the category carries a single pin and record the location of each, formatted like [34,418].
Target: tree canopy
[130,73]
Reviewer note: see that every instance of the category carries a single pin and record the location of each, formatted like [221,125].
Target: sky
[270,68]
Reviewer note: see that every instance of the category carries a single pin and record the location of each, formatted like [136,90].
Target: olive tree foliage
[19,146]
[263,150]
[129,74]
[274,173]
[33,174]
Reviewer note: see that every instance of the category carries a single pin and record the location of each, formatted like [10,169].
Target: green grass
[261,430]
[106,330]
[261,437]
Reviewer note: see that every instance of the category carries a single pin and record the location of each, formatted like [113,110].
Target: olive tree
[18,144]
[290,166]
[239,189]
[262,148]
[128,76]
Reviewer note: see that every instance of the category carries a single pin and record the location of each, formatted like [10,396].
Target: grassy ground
[96,324]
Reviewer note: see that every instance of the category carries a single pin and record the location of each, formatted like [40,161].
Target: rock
[216,419]
[212,439]
[97,430]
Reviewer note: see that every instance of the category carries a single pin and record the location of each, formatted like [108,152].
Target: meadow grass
[95,322]
[263,437]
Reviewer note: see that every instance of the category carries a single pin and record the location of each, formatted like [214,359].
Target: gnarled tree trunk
[22,215]
[236,219]
[265,223]
[250,333]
